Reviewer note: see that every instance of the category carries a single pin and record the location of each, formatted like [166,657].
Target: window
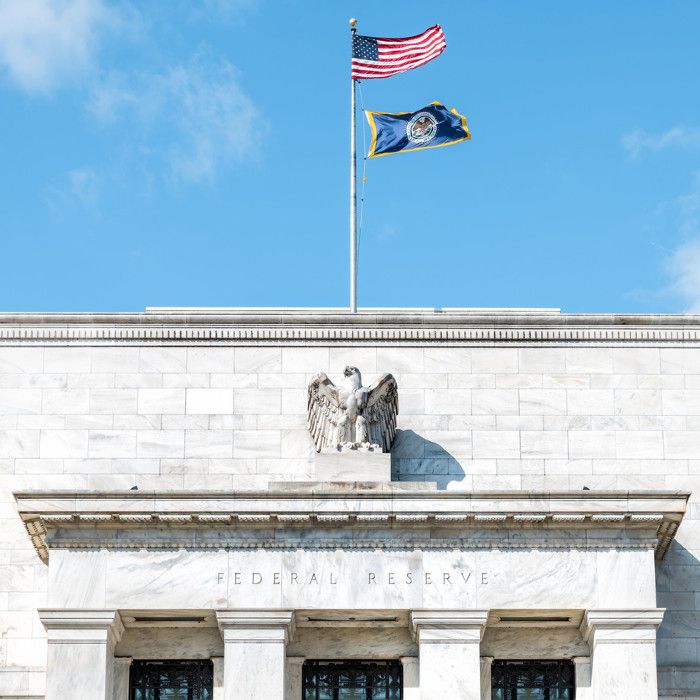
[171,680]
[352,680]
[533,680]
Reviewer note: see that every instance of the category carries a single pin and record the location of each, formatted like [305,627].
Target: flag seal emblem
[421,128]
[432,126]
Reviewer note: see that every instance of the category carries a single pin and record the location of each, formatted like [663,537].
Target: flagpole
[353,188]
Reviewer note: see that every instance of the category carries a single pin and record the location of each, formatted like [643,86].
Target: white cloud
[44,43]
[83,186]
[197,113]
[78,189]
[682,265]
[681,137]
[684,269]
[192,117]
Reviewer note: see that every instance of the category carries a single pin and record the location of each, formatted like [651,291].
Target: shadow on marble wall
[415,458]
[677,590]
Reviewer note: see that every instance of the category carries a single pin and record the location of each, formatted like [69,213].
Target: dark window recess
[171,680]
[352,680]
[533,680]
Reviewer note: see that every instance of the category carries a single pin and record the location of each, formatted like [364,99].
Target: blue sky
[195,153]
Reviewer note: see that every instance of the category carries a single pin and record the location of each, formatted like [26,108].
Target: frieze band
[371,578]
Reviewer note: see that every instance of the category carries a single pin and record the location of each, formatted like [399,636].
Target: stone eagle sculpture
[352,414]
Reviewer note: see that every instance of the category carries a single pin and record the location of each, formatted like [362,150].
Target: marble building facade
[160,502]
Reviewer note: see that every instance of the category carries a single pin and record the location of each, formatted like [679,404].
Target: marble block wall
[221,417]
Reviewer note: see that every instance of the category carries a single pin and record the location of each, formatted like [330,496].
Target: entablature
[314,515]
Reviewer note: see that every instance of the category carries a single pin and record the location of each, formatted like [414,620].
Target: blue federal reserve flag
[430,127]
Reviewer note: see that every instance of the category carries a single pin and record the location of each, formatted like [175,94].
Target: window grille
[352,680]
[533,680]
[171,680]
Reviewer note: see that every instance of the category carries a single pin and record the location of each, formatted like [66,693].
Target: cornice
[389,517]
[330,326]
[356,495]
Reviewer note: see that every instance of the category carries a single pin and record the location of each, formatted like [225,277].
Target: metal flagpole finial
[353,24]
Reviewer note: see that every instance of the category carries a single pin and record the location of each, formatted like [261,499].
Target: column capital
[82,626]
[260,626]
[448,626]
[621,625]
[80,653]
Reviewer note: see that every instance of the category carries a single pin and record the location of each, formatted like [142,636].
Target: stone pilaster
[623,653]
[122,668]
[294,677]
[448,647]
[80,659]
[582,664]
[411,677]
[218,675]
[486,662]
[255,642]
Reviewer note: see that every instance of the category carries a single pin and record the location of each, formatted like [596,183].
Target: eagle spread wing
[323,411]
[381,410]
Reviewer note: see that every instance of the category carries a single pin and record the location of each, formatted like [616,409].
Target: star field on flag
[375,57]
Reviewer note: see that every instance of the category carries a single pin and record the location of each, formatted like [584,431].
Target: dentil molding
[367,326]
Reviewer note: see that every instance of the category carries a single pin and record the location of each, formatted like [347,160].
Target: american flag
[374,57]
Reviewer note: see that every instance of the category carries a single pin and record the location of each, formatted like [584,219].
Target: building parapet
[323,326]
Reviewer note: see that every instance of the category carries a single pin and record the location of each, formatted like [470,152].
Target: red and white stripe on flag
[399,55]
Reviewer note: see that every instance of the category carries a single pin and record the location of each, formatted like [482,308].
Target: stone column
[582,665]
[80,658]
[218,673]
[122,668]
[448,648]
[486,662]
[254,652]
[623,653]
[411,678]
[294,677]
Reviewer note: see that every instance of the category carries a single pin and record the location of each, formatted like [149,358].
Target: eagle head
[353,376]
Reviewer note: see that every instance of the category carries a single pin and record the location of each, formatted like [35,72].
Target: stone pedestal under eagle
[352,414]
